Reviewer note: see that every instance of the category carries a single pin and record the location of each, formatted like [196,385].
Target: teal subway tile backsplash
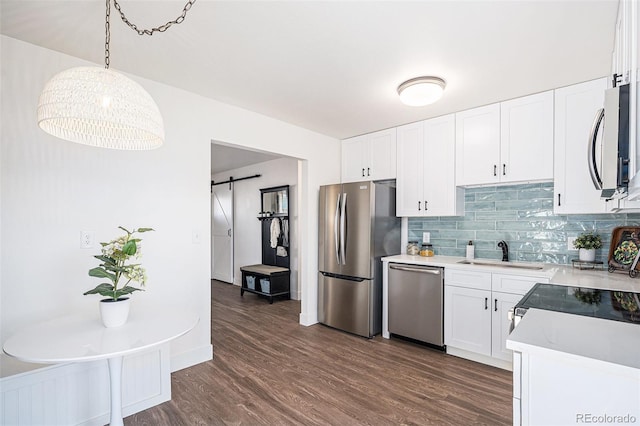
[522,215]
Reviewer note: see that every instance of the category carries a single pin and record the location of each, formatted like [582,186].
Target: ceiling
[333,66]
[225,158]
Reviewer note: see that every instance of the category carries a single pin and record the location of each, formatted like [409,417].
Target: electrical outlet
[426,237]
[570,241]
[87,239]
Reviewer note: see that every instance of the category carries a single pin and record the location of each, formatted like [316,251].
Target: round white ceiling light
[421,91]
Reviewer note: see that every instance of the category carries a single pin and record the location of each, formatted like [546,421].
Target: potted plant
[115,267]
[587,243]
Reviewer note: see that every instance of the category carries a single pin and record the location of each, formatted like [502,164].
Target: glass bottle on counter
[412,248]
[426,250]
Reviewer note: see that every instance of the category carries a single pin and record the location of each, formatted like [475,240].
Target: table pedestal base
[115,379]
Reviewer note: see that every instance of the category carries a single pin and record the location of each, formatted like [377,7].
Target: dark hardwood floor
[268,369]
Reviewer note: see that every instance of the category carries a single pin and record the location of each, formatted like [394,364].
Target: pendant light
[100,107]
[421,91]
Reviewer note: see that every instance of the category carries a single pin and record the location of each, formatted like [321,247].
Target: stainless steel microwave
[612,177]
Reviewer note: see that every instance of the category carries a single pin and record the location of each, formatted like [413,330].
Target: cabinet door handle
[559,200]
[504,170]
[363,172]
[368,172]
[495,170]
[419,205]
[425,206]
[495,305]
[486,303]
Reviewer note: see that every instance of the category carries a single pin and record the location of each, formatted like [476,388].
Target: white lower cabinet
[476,304]
[500,324]
[467,319]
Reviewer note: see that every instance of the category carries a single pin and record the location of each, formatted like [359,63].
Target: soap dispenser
[470,251]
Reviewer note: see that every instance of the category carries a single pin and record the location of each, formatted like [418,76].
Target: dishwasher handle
[422,270]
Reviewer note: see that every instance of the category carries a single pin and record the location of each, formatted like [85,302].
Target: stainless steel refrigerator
[357,226]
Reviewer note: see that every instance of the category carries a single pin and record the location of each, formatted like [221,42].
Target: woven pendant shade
[99,107]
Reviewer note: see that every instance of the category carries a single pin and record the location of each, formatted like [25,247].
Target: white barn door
[222,233]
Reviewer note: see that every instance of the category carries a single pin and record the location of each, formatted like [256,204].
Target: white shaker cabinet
[425,169]
[475,314]
[369,157]
[507,142]
[575,109]
[501,303]
[526,138]
[467,320]
[478,145]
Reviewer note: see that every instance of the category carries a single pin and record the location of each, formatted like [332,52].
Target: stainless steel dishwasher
[416,296]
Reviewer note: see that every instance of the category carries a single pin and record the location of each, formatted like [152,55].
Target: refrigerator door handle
[591,151]
[336,235]
[343,228]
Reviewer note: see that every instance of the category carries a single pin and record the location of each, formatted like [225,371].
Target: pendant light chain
[161,28]
[107,35]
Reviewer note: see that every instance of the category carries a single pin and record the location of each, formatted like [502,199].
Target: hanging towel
[275,232]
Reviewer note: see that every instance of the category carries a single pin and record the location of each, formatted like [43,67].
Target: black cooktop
[605,304]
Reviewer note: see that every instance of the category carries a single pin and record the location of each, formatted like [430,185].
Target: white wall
[247,236]
[52,189]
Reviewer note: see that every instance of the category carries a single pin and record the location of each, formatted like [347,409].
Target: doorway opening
[235,227]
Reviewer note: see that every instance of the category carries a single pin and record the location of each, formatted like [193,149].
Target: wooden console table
[270,281]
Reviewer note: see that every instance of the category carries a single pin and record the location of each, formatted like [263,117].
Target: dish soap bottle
[470,251]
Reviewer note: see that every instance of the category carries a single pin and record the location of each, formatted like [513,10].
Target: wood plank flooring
[269,370]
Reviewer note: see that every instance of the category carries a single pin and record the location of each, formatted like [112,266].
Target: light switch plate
[195,236]
[426,237]
[570,241]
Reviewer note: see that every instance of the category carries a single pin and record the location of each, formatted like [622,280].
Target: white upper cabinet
[626,63]
[575,109]
[425,169]
[478,145]
[369,157]
[509,142]
[624,59]
[526,138]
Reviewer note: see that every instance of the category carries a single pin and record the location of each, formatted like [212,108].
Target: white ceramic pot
[114,313]
[587,255]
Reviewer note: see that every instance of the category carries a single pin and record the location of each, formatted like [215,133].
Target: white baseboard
[483,359]
[191,358]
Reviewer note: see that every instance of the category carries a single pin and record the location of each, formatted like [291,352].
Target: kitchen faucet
[505,250]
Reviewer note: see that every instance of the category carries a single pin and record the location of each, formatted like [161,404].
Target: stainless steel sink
[500,264]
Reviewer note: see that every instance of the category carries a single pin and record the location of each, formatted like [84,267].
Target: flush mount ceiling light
[100,107]
[421,91]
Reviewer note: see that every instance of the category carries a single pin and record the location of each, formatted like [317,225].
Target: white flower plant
[114,267]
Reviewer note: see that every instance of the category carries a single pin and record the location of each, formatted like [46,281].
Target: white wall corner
[191,357]
[308,319]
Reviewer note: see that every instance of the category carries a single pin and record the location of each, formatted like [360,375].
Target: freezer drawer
[416,302]
[348,304]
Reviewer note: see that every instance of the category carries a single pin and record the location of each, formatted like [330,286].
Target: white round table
[82,337]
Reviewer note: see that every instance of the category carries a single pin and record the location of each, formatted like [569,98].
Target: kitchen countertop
[612,342]
[557,274]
